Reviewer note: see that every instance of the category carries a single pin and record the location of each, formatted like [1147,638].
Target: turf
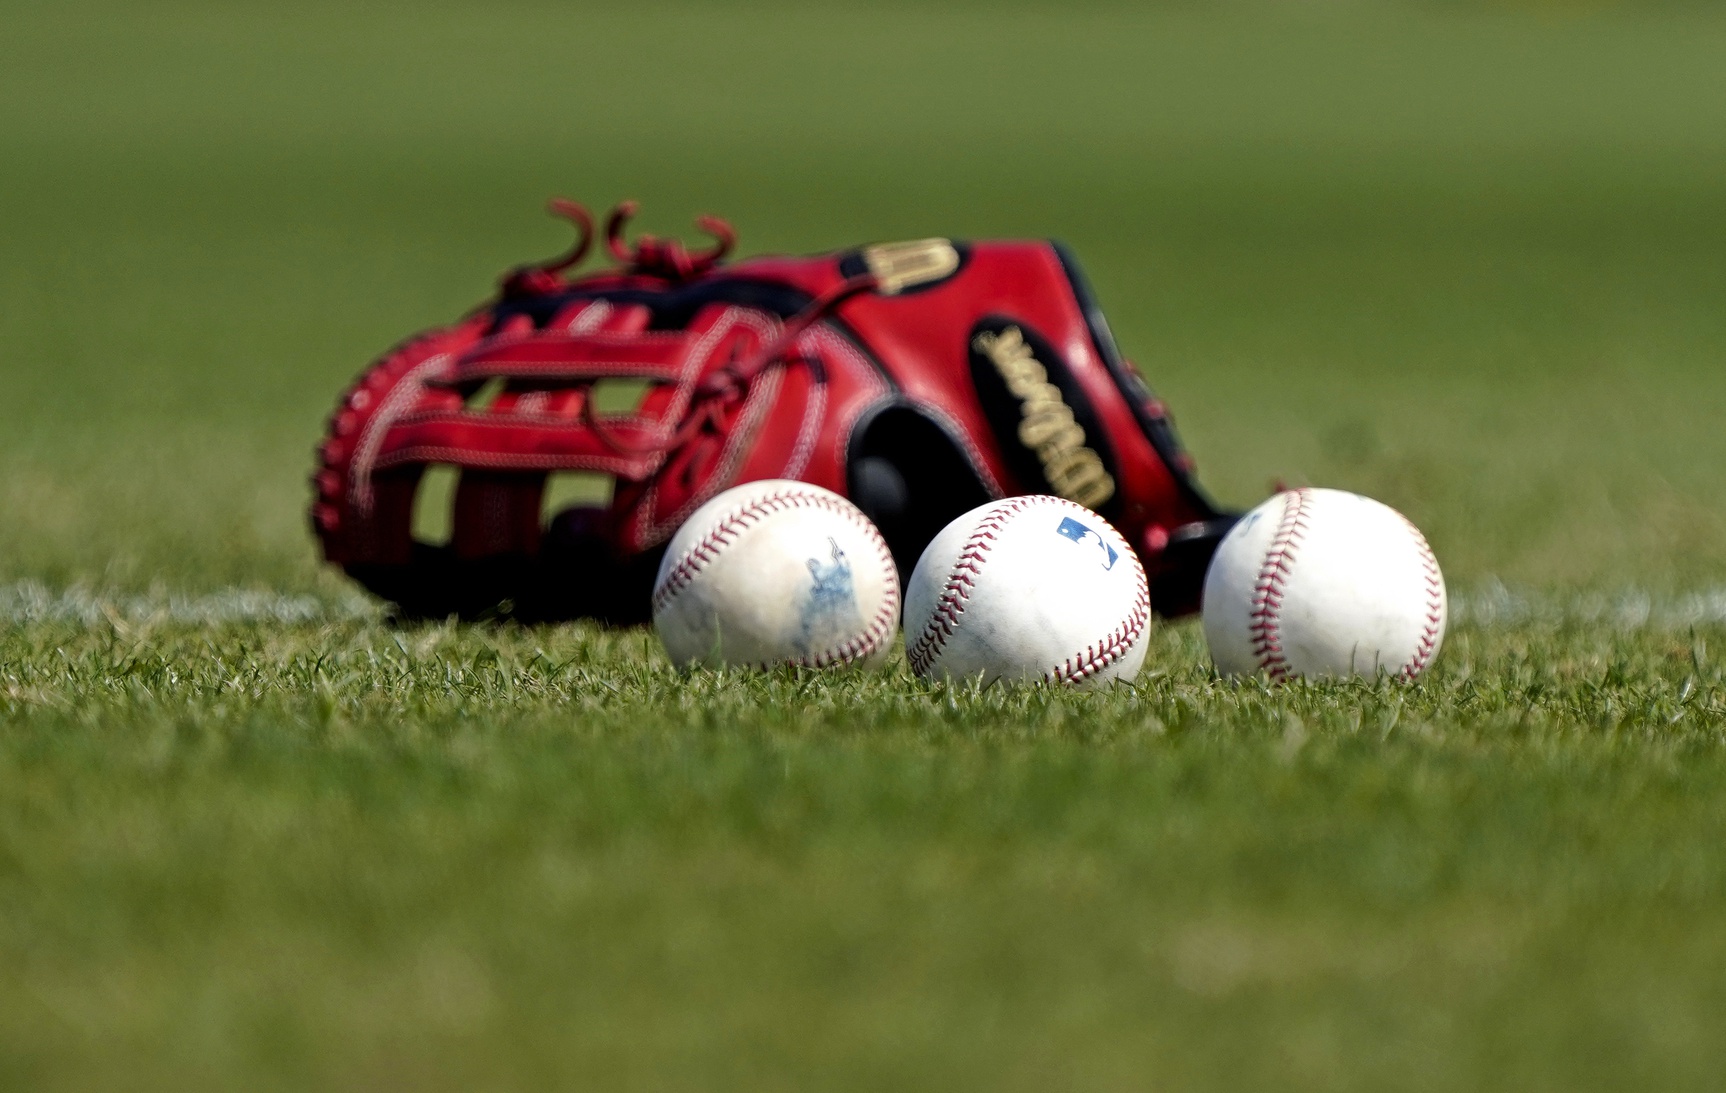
[1467,258]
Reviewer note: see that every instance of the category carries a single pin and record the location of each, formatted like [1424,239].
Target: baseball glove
[919,379]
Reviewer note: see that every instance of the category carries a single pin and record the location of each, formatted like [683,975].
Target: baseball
[777,572]
[1028,588]
[1324,583]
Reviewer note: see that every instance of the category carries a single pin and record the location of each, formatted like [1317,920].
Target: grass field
[1468,258]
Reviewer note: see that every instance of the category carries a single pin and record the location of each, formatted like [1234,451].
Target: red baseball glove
[918,379]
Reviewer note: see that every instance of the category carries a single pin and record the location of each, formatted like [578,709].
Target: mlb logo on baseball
[1079,533]
[997,597]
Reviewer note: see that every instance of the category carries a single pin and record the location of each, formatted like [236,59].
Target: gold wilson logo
[899,266]
[1046,424]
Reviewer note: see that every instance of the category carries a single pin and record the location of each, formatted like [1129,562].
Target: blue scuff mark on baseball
[1079,533]
[830,612]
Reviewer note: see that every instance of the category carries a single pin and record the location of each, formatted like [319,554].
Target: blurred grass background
[1469,258]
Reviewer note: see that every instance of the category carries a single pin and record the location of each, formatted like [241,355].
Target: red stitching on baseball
[962,578]
[1427,646]
[1272,583]
[950,605]
[1115,644]
[727,531]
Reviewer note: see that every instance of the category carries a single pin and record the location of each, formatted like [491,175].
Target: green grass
[1468,258]
[344,855]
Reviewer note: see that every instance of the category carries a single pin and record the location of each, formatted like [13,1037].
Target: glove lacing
[719,393]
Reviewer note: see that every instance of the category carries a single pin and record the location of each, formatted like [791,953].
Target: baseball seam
[727,531]
[1434,624]
[962,578]
[1114,645]
[1272,583]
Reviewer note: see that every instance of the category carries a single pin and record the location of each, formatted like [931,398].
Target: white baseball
[777,572]
[1028,588]
[1324,583]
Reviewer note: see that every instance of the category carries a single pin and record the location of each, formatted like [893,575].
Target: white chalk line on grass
[33,601]
[1489,603]
[1492,603]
